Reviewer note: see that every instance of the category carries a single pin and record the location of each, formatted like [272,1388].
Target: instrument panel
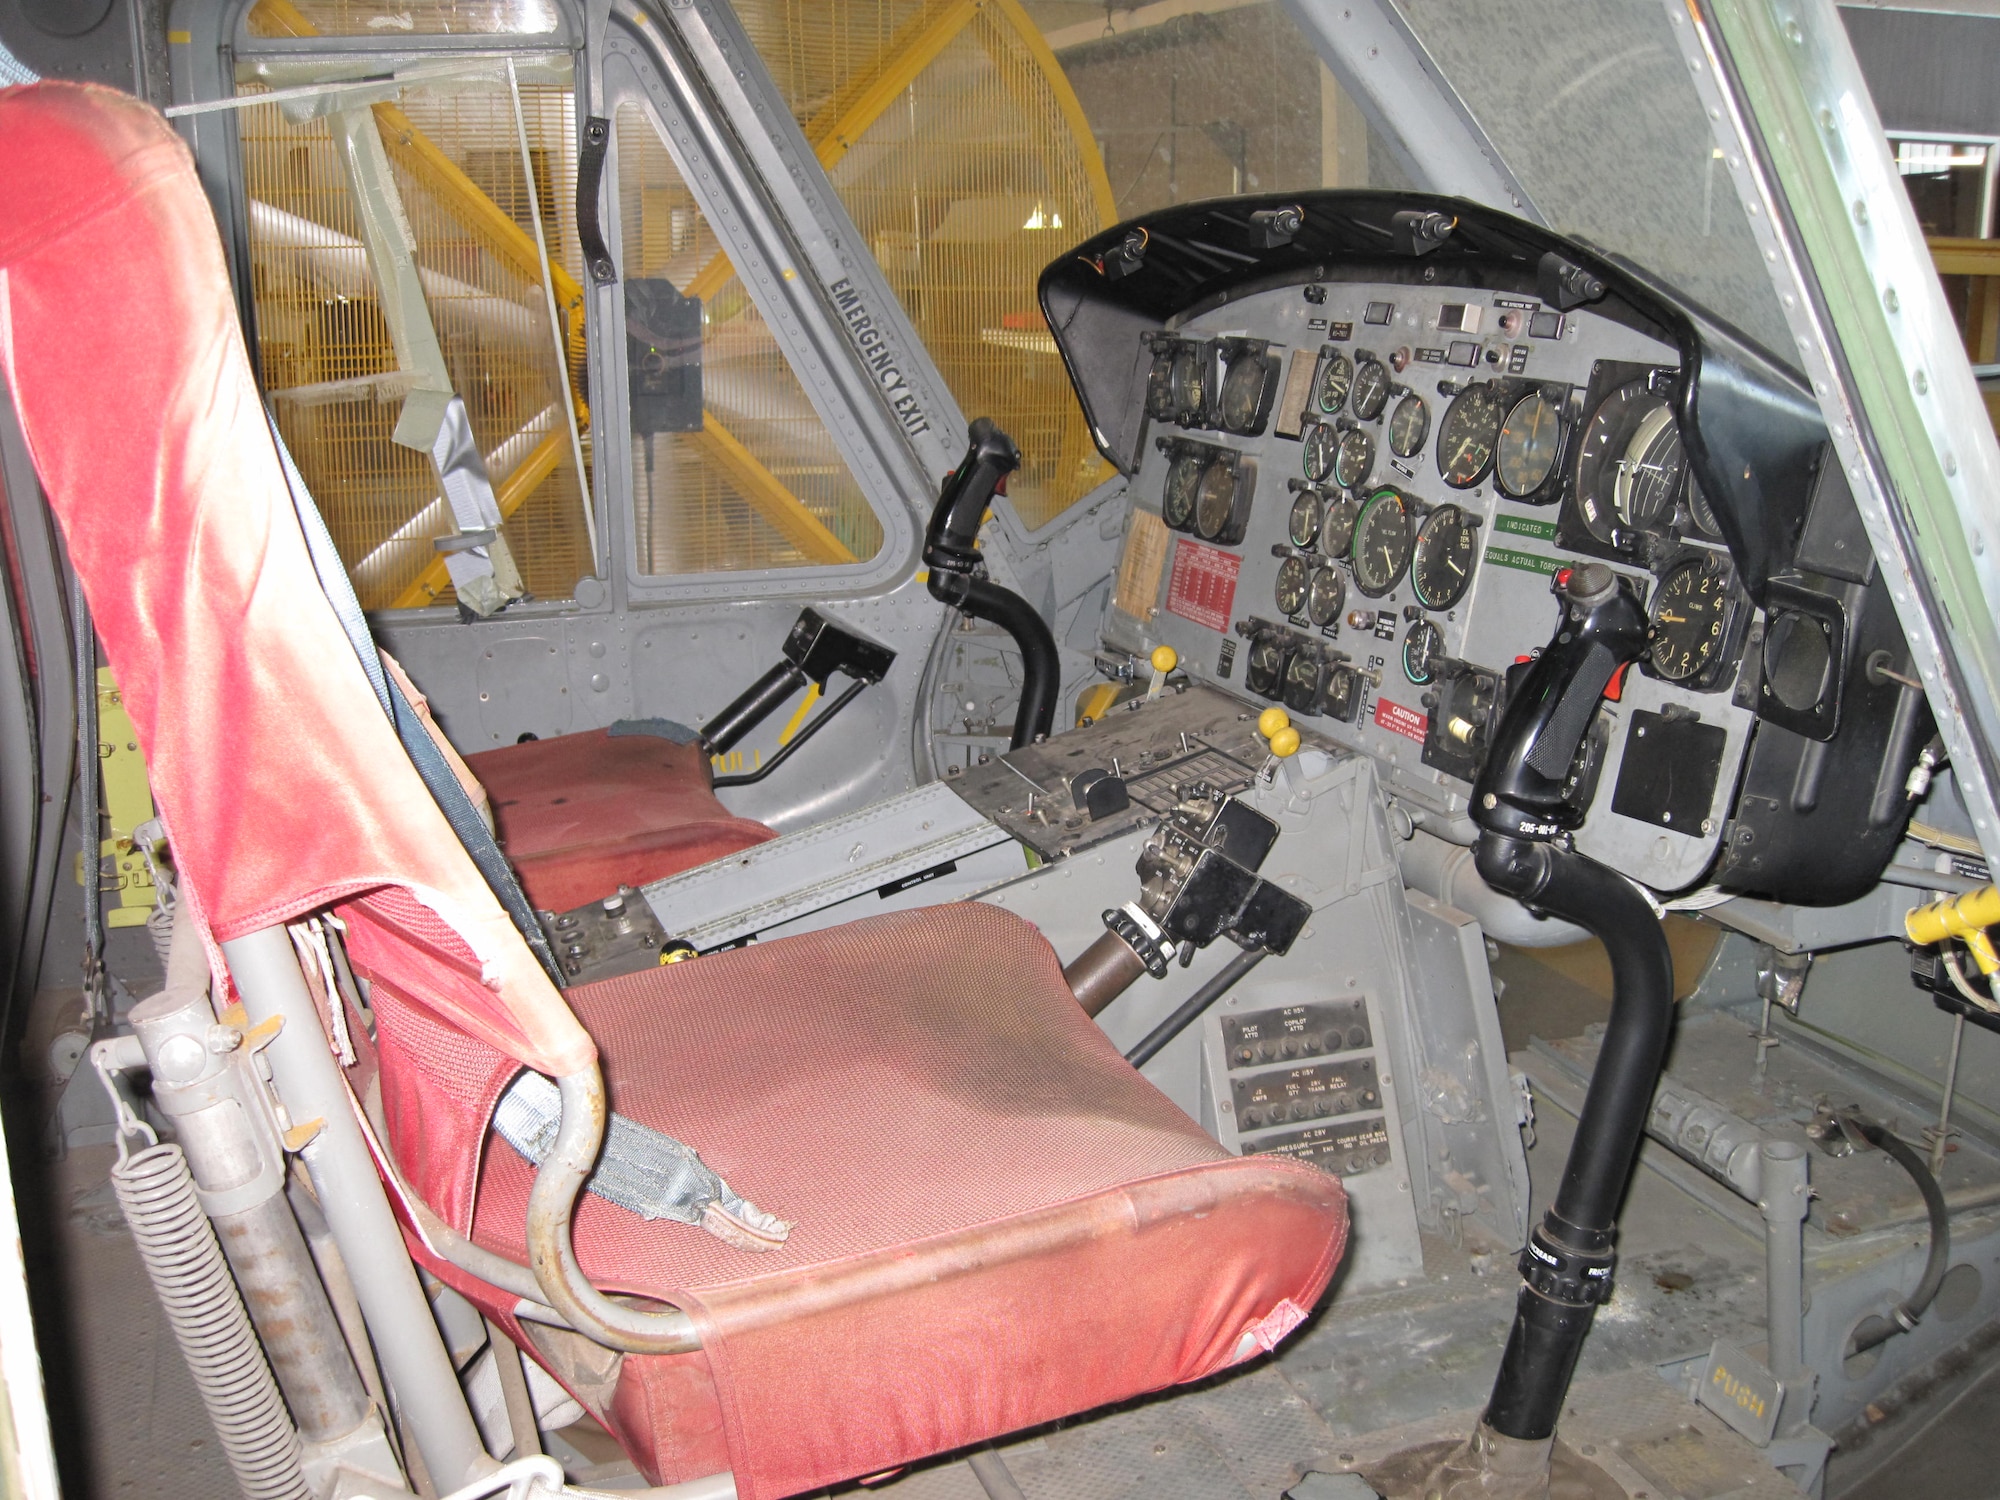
[1368,489]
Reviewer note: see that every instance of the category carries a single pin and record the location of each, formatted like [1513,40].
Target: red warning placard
[1203,588]
[1400,720]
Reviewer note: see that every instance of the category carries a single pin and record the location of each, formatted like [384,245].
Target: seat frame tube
[400,1322]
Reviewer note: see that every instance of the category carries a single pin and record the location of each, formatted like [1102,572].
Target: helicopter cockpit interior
[995,747]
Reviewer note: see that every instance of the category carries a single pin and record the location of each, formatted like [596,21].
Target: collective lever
[1526,802]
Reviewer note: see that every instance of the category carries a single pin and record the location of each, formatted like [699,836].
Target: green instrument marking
[1525,526]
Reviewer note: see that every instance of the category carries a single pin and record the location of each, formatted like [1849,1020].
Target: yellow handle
[1285,742]
[1967,917]
[1165,658]
[1271,720]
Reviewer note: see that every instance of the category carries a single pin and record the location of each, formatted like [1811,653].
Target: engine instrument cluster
[1386,481]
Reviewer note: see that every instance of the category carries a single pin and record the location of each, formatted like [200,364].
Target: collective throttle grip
[1524,789]
[990,456]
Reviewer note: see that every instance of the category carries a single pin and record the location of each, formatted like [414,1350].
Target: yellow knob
[1271,720]
[1165,658]
[1285,742]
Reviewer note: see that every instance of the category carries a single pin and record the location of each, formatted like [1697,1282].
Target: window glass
[972,144]
[324,345]
[1207,101]
[1590,104]
[1949,183]
[731,466]
[401,17]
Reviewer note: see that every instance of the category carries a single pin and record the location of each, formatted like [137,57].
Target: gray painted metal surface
[859,854]
[1444,1079]
[1864,1236]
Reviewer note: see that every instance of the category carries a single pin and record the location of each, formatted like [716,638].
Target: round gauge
[1324,596]
[1265,673]
[1302,681]
[1409,425]
[1216,499]
[1703,513]
[1321,445]
[1291,591]
[1187,379]
[1183,483]
[1335,376]
[1336,527]
[1160,385]
[1353,459]
[1468,434]
[1243,390]
[1530,442]
[1303,527]
[1690,614]
[1650,473]
[1421,649]
[1441,566]
[1604,450]
[1381,543]
[1371,388]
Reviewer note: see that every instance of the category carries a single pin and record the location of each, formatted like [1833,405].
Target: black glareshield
[1525,788]
[957,575]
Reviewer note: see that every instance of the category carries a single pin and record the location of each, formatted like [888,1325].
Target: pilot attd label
[878,356]
[1203,586]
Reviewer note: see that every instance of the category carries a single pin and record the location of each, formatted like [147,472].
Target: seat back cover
[280,778]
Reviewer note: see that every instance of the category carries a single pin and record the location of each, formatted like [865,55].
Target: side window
[961,153]
[406,17]
[341,366]
[972,144]
[731,466]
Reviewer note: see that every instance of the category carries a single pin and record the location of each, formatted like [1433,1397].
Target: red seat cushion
[998,1221]
[585,813]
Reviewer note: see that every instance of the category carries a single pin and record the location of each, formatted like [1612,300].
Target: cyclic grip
[1525,788]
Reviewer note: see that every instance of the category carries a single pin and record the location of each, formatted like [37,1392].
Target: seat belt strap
[437,774]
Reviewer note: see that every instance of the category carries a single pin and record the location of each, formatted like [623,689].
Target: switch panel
[1310,1081]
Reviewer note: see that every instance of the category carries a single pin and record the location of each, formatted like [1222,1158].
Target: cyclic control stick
[958,574]
[1526,802]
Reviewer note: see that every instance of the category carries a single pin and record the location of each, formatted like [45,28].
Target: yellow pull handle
[1966,917]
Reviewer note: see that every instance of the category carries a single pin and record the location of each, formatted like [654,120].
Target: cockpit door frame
[1797,130]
